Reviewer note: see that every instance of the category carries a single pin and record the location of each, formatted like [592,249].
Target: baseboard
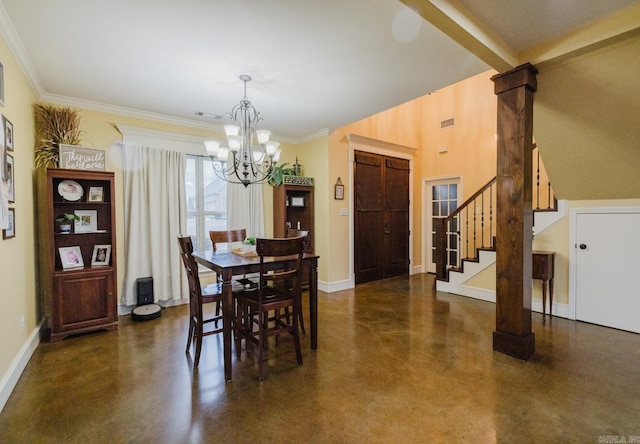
[332,287]
[559,310]
[10,379]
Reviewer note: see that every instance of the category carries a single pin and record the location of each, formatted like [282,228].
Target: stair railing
[471,227]
[543,197]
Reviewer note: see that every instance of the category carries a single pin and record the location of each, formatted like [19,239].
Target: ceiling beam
[460,25]
[612,29]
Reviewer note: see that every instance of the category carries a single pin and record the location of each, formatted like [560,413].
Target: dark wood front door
[381,217]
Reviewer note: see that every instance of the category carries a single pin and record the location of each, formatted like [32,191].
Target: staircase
[465,240]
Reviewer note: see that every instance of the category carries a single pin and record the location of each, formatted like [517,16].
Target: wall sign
[297,180]
[79,158]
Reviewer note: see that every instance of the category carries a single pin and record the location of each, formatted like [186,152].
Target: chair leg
[296,335]
[218,310]
[191,331]
[301,320]
[198,343]
[242,328]
[261,345]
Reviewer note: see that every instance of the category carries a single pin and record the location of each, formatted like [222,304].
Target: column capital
[523,75]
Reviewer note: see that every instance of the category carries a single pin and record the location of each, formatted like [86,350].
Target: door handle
[583,246]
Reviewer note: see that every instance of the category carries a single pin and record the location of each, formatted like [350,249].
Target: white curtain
[155,213]
[245,209]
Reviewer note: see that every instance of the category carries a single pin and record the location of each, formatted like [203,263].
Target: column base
[521,347]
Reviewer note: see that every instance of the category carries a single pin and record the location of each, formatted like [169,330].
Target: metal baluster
[482,220]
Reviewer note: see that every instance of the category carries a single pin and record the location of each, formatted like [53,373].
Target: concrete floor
[396,362]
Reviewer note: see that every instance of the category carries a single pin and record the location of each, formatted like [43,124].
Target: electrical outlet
[22,324]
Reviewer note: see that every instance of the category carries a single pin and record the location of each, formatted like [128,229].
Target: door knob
[583,246]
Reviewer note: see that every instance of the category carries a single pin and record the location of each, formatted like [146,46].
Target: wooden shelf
[76,300]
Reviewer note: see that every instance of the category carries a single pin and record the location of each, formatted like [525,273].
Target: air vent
[209,115]
[447,123]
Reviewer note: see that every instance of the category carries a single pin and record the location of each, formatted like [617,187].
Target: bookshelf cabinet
[293,208]
[77,269]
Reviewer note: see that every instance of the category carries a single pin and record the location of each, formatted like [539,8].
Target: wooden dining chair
[304,284]
[228,237]
[197,298]
[276,291]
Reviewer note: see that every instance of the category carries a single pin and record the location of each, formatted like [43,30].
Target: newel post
[514,218]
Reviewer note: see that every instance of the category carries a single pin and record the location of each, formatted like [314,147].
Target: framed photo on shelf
[71,257]
[101,255]
[297,201]
[10,179]
[8,133]
[96,194]
[10,231]
[88,222]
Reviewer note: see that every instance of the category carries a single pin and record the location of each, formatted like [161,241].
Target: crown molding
[10,36]
[157,117]
[324,132]
[130,112]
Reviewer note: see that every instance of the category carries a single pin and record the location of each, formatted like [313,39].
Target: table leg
[550,298]
[313,303]
[544,298]
[227,322]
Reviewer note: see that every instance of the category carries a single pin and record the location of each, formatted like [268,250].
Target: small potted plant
[249,244]
[64,222]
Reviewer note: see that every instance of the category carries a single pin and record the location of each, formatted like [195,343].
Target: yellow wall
[416,124]
[17,258]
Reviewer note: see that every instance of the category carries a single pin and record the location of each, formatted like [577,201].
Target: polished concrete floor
[397,362]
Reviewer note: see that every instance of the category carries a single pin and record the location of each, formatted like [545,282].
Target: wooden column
[514,218]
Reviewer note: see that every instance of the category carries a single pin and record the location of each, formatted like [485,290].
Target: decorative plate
[70,190]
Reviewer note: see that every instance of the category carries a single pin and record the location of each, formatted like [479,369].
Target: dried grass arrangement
[54,125]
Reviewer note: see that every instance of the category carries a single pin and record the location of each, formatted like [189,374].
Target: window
[206,201]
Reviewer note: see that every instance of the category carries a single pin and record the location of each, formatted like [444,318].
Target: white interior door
[608,269]
[441,198]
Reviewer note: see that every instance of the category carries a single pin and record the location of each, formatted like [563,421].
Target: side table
[543,264]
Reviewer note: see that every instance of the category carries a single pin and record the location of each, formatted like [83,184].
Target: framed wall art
[339,190]
[8,133]
[10,231]
[10,179]
[1,84]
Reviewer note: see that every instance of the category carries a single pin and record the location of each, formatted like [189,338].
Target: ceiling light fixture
[249,163]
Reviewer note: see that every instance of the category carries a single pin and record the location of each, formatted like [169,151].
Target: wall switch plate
[344,212]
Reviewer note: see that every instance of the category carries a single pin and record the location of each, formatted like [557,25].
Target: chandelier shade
[249,156]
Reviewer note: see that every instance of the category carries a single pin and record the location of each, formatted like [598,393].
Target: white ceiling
[315,64]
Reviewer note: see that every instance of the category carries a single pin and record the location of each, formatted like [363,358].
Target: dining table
[228,264]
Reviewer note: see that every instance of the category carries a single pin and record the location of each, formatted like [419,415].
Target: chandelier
[243,161]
